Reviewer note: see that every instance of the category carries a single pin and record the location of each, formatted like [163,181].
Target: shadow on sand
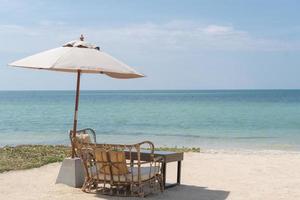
[182,192]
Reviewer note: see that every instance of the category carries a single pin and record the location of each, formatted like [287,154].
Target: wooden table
[168,157]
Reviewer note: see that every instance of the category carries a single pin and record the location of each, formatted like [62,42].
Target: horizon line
[230,89]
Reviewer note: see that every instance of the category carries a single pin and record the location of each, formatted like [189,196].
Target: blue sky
[177,44]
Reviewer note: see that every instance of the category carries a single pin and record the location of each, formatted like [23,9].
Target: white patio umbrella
[79,57]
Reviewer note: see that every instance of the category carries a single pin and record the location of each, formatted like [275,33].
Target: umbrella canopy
[80,57]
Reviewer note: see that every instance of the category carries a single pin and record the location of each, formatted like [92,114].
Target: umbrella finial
[81,38]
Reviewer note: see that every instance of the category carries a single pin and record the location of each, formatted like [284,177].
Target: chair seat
[132,175]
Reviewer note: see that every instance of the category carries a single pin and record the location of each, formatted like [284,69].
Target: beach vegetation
[33,156]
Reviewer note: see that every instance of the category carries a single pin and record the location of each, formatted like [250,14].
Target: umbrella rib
[60,57]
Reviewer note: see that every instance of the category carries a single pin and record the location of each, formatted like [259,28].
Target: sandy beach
[129,86]
[212,175]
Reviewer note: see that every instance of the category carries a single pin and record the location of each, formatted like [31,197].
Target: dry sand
[205,176]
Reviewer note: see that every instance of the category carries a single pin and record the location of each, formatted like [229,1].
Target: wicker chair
[83,136]
[119,170]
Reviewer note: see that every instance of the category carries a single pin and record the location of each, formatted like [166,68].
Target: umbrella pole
[75,113]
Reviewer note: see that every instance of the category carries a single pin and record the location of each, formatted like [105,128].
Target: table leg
[164,171]
[178,172]
[178,175]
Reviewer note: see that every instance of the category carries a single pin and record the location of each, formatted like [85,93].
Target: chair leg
[85,185]
[141,191]
[162,186]
[141,194]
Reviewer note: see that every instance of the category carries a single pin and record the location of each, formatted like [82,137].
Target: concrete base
[71,172]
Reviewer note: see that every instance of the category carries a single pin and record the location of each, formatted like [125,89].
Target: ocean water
[216,119]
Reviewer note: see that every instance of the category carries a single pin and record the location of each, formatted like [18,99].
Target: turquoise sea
[210,119]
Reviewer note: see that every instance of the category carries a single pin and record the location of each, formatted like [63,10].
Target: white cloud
[218,30]
[190,36]
[172,36]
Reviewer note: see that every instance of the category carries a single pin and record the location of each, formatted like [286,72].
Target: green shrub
[31,156]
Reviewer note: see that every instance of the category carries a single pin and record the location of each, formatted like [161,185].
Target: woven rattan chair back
[83,137]
[116,169]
